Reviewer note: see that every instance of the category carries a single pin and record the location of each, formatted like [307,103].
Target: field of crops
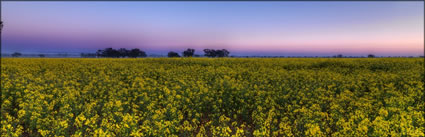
[212,97]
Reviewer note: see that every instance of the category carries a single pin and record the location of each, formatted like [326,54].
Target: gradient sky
[244,28]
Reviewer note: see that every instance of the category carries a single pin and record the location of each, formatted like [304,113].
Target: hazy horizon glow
[244,28]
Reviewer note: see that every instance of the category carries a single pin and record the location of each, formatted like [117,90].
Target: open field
[213,97]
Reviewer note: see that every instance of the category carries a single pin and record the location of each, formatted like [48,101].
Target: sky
[244,28]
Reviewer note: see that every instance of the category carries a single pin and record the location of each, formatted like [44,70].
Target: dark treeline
[187,53]
[88,55]
[342,56]
[120,53]
[134,53]
[207,53]
[16,54]
[48,55]
[216,53]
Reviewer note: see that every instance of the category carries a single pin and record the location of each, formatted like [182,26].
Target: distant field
[213,97]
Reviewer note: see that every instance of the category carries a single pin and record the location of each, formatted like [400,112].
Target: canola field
[213,97]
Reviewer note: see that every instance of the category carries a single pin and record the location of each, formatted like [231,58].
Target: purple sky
[244,28]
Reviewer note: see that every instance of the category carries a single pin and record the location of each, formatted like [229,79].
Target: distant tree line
[216,53]
[16,54]
[207,53]
[120,53]
[341,56]
[88,55]
[338,56]
[134,53]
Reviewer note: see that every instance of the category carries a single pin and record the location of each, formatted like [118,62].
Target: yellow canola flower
[212,97]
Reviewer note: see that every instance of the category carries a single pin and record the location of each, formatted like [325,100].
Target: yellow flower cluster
[212,97]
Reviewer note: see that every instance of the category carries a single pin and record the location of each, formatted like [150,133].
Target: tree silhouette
[370,56]
[189,52]
[123,52]
[222,53]
[16,54]
[172,54]
[134,53]
[110,52]
[216,53]
[209,53]
[41,55]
